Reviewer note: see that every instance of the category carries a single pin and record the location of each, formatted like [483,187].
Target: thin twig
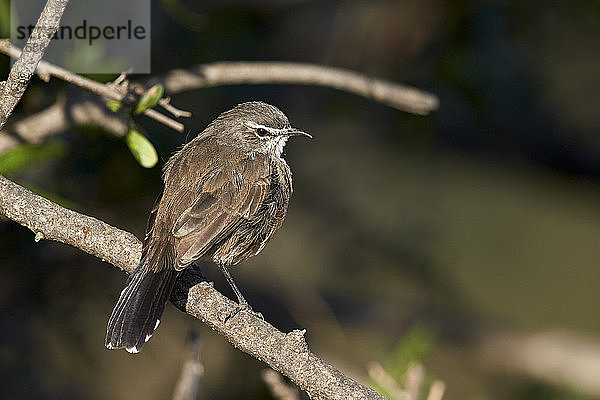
[24,68]
[287,353]
[413,381]
[165,103]
[436,391]
[278,388]
[163,119]
[108,91]
[188,384]
[386,381]
[402,97]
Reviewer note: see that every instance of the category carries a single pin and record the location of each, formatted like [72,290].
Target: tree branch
[54,119]
[53,222]
[20,74]
[287,353]
[558,358]
[402,97]
[108,91]
[58,118]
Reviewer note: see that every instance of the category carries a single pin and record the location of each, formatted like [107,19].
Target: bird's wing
[231,195]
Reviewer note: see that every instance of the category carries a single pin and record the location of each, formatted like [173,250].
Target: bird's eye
[262,132]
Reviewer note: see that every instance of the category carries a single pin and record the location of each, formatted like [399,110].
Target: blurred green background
[408,238]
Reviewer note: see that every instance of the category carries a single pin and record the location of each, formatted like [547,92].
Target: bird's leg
[242,303]
[241,300]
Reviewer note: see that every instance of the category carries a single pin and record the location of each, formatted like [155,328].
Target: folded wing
[227,199]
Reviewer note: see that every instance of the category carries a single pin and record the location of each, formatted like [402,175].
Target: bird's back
[221,204]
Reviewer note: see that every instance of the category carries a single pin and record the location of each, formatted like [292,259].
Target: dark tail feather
[137,313]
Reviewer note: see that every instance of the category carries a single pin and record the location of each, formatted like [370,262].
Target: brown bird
[225,194]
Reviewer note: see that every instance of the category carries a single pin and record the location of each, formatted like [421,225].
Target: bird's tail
[140,306]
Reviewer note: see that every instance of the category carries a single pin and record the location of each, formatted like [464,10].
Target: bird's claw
[243,306]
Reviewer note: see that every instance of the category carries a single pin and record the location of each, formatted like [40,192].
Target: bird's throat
[279,144]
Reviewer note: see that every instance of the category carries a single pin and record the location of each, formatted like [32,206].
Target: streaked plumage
[226,193]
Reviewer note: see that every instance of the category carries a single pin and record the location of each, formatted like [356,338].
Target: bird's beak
[296,132]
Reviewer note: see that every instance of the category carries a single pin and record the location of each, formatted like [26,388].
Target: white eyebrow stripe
[254,125]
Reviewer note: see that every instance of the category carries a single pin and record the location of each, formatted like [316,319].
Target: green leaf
[141,148]
[150,98]
[114,105]
[29,155]
[414,347]
[5,19]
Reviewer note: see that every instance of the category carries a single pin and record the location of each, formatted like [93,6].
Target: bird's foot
[243,306]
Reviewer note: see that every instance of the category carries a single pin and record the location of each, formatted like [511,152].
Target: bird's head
[255,127]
